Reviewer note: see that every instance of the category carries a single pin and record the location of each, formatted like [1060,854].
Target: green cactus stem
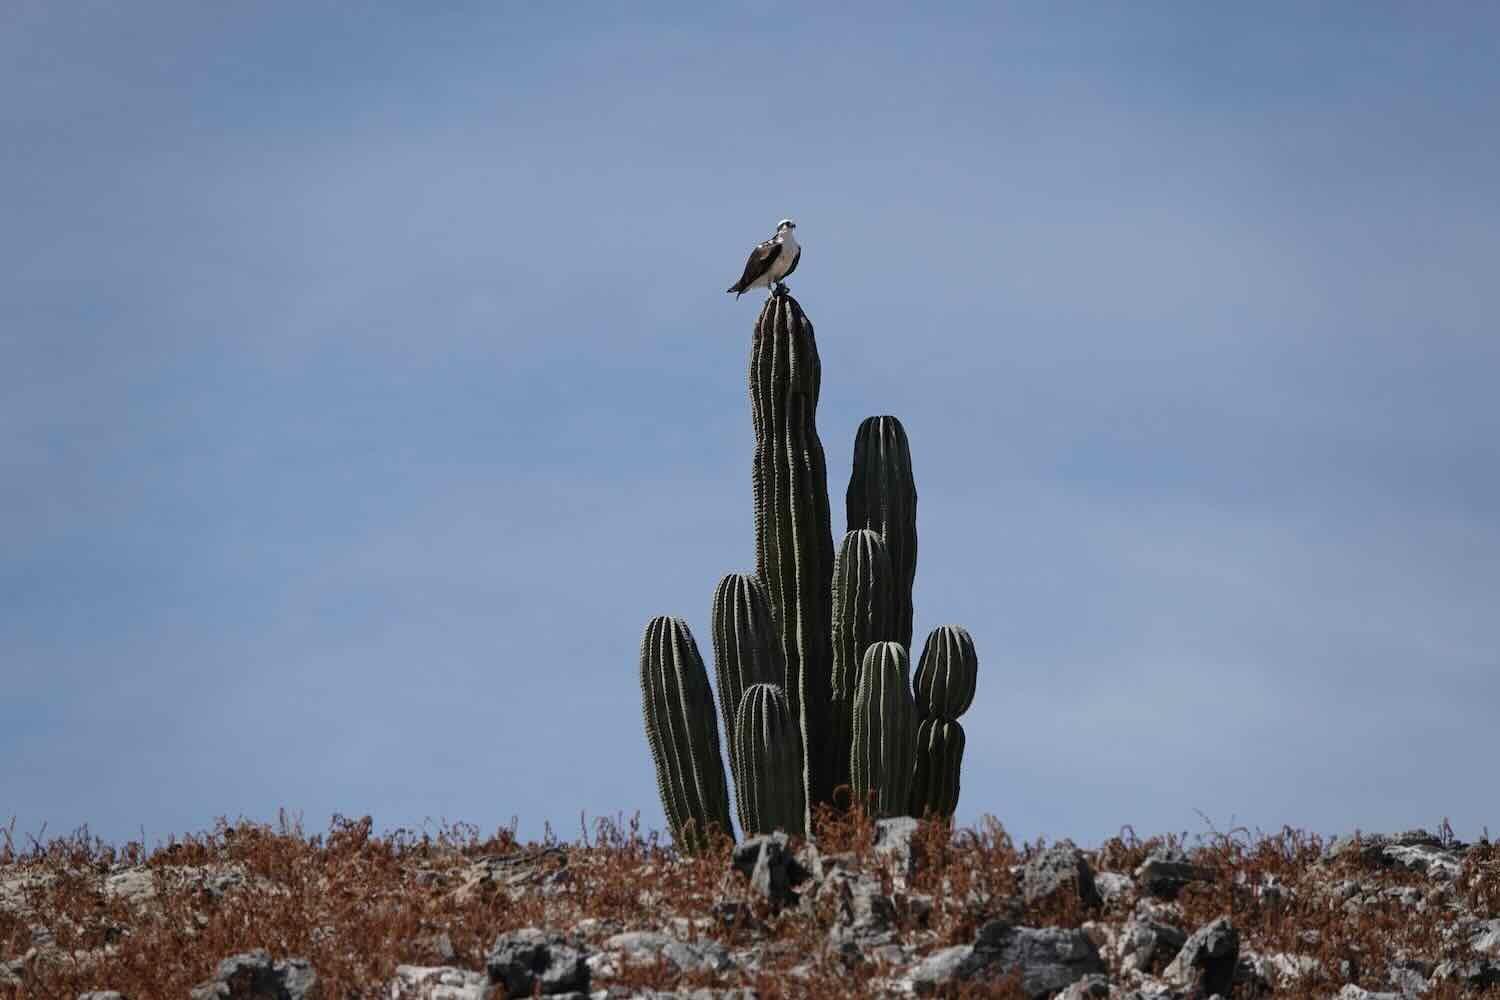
[680,729]
[747,649]
[863,602]
[940,754]
[882,495]
[769,794]
[884,731]
[793,534]
[946,673]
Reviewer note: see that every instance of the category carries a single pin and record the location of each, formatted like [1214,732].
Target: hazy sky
[367,382]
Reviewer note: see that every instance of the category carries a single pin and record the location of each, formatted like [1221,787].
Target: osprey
[771,261]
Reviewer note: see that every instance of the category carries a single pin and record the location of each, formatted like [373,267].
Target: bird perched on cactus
[770,262]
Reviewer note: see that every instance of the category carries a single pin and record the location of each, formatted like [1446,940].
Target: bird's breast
[789,250]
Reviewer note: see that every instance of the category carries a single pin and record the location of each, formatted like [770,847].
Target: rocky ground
[874,909]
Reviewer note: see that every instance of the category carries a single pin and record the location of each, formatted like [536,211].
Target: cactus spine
[793,534]
[940,753]
[884,730]
[768,793]
[746,650]
[863,613]
[883,496]
[680,729]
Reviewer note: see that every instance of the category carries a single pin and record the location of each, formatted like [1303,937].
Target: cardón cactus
[793,535]
[834,636]
[884,731]
[768,794]
[680,729]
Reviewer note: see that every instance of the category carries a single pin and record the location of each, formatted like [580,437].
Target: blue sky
[366,383]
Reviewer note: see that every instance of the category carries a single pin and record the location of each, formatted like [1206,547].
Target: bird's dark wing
[794,265]
[760,259]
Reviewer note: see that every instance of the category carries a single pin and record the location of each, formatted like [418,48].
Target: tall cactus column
[793,534]
[882,496]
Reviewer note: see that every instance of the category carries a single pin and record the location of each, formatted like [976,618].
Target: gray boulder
[896,844]
[1113,887]
[1094,986]
[532,959]
[866,916]
[1059,871]
[1353,992]
[1046,960]
[1207,959]
[1416,850]
[417,982]
[1409,976]
[1167,870]
[694,956]
[1148,945]
[1485,938]
[1049,958]
[1476,974]
[252,975]
[1254,975]
[133,885]
[770,866]
[944,967]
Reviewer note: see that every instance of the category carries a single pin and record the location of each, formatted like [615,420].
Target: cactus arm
[769,796]
[940,753]
[747,649]
[863,613]
[947,672]
[677,705]
[883,743]
[882,495]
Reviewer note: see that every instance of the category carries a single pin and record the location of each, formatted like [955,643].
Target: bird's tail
[736,289]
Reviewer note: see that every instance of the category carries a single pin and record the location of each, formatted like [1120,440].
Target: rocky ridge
[892,908]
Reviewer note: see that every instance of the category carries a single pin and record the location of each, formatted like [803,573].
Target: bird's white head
[784,225]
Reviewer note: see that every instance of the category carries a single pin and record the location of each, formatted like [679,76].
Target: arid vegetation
[77,914]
